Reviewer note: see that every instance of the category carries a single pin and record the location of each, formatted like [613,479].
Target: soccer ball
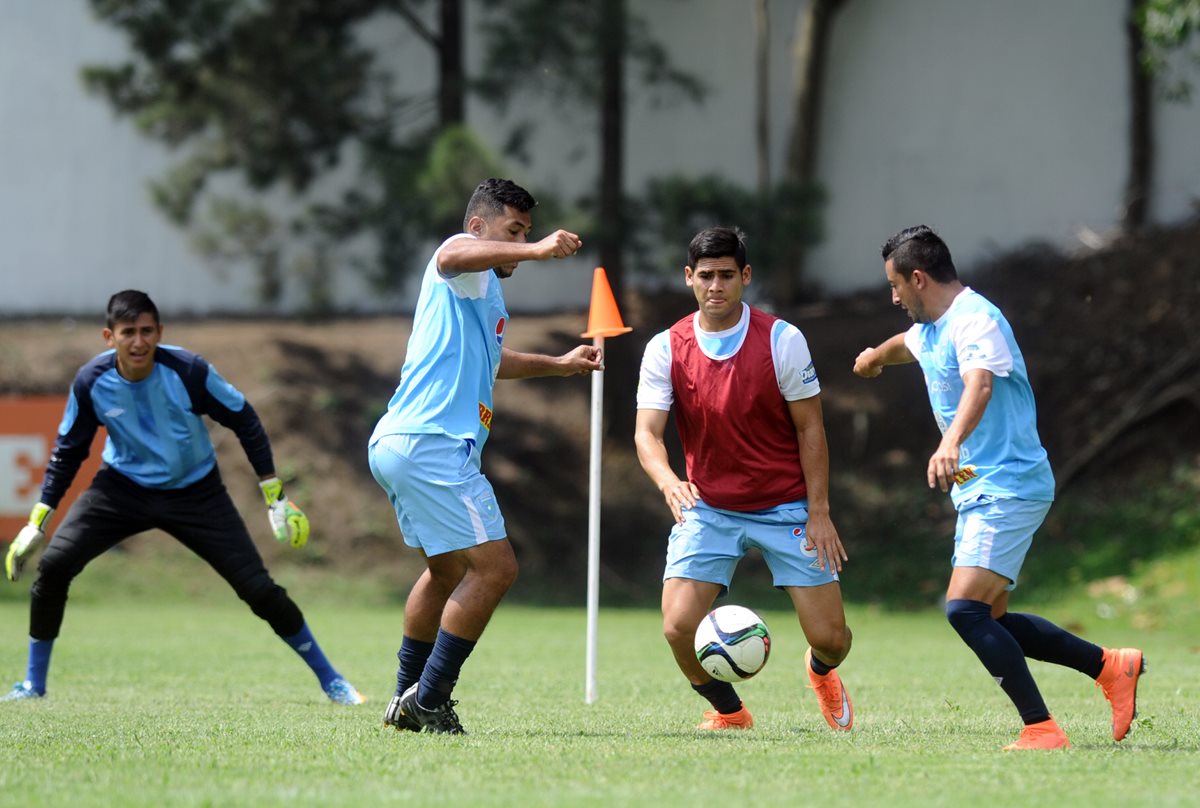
[732,643]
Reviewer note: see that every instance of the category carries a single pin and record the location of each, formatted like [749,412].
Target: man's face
[511,225]
[905,293]
[718,284]
[135,341]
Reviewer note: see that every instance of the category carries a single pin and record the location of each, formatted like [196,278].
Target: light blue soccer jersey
[452,359]
[156,434]
[1003,456]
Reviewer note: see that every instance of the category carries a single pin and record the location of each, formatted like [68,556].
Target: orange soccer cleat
[1119,680]
[1042,735]
[832,697]
[714,720]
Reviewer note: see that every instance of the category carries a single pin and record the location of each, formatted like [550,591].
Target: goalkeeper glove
[27,540]
[288,523]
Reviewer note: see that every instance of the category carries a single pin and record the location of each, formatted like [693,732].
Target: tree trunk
[451,76]
[762,86]
[612,145]
[1141,126]
[809,50]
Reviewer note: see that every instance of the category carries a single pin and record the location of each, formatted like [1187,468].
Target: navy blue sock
[1042,640]
[819,667]
[39,664]
[1000,653]
[304,644]
[720,695]
[442,669]
[413,655]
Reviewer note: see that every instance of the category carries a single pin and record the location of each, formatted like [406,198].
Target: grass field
[166,701]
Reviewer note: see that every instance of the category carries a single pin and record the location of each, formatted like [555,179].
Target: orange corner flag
[604,320]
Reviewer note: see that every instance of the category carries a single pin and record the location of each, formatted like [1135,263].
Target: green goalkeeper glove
[27,541]
[288,523]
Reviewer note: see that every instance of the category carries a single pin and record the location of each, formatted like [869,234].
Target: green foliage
[675,208]
[1167,28]
[171,703]
[555,47]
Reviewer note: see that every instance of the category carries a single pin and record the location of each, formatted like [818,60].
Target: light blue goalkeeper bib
[1003,456]
[452,359]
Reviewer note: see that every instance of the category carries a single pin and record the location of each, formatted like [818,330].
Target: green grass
[163,700]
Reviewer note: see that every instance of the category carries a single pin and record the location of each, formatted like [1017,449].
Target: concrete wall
[996,123]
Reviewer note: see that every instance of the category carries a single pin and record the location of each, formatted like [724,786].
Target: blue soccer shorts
[996,533]
[711,541]
[441,498]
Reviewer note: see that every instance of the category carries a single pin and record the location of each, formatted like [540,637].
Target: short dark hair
[920,248]
[718,242]
[493,195]
[127,306]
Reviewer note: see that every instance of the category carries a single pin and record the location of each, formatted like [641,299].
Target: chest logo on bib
[500,330]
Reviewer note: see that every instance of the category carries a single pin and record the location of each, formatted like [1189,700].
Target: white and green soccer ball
[732,643]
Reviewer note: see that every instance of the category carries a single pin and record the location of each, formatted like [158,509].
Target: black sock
[1000,653]
[1042,640]
[442,669]
[720,695]
[819,667]
[413,655]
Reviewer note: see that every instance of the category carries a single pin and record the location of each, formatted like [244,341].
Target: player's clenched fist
[559,244]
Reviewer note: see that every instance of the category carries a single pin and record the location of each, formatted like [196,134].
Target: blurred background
[275,174]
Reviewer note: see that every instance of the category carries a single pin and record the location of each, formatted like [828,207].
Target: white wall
[996,123]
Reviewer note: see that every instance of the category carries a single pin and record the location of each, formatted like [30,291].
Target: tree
[810,52]
[1154,31]
[278,95]
[581,55]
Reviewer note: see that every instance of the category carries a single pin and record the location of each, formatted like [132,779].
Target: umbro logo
[305,648]
[114,412]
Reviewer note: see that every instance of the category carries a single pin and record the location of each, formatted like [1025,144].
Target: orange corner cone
[603,318]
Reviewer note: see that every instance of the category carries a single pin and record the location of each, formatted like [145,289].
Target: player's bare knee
[832,644]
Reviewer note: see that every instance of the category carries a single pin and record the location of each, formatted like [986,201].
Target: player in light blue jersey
[992,462]
[160,471]
[425,451]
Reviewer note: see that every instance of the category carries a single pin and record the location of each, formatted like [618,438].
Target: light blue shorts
[996,534]
[441,498]
[711,541]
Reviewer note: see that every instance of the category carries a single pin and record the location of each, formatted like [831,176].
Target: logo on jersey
[809,375]
[499,340]
[797,533]
[485,416]
[964,475]
[114,412]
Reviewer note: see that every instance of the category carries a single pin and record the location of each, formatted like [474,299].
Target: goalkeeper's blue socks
[39,664]
[304,644]
[1000,653]
[413,655]
[442,669]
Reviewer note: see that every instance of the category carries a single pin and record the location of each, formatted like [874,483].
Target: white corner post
[593,553]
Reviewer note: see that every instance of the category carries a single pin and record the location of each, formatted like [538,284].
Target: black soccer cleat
[397,719]
[441,719]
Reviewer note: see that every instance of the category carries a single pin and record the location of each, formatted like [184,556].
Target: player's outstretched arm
[870,362]
[479,255]
[652,454]
[518,365]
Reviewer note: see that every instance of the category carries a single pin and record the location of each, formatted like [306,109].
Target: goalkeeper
[159,471]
